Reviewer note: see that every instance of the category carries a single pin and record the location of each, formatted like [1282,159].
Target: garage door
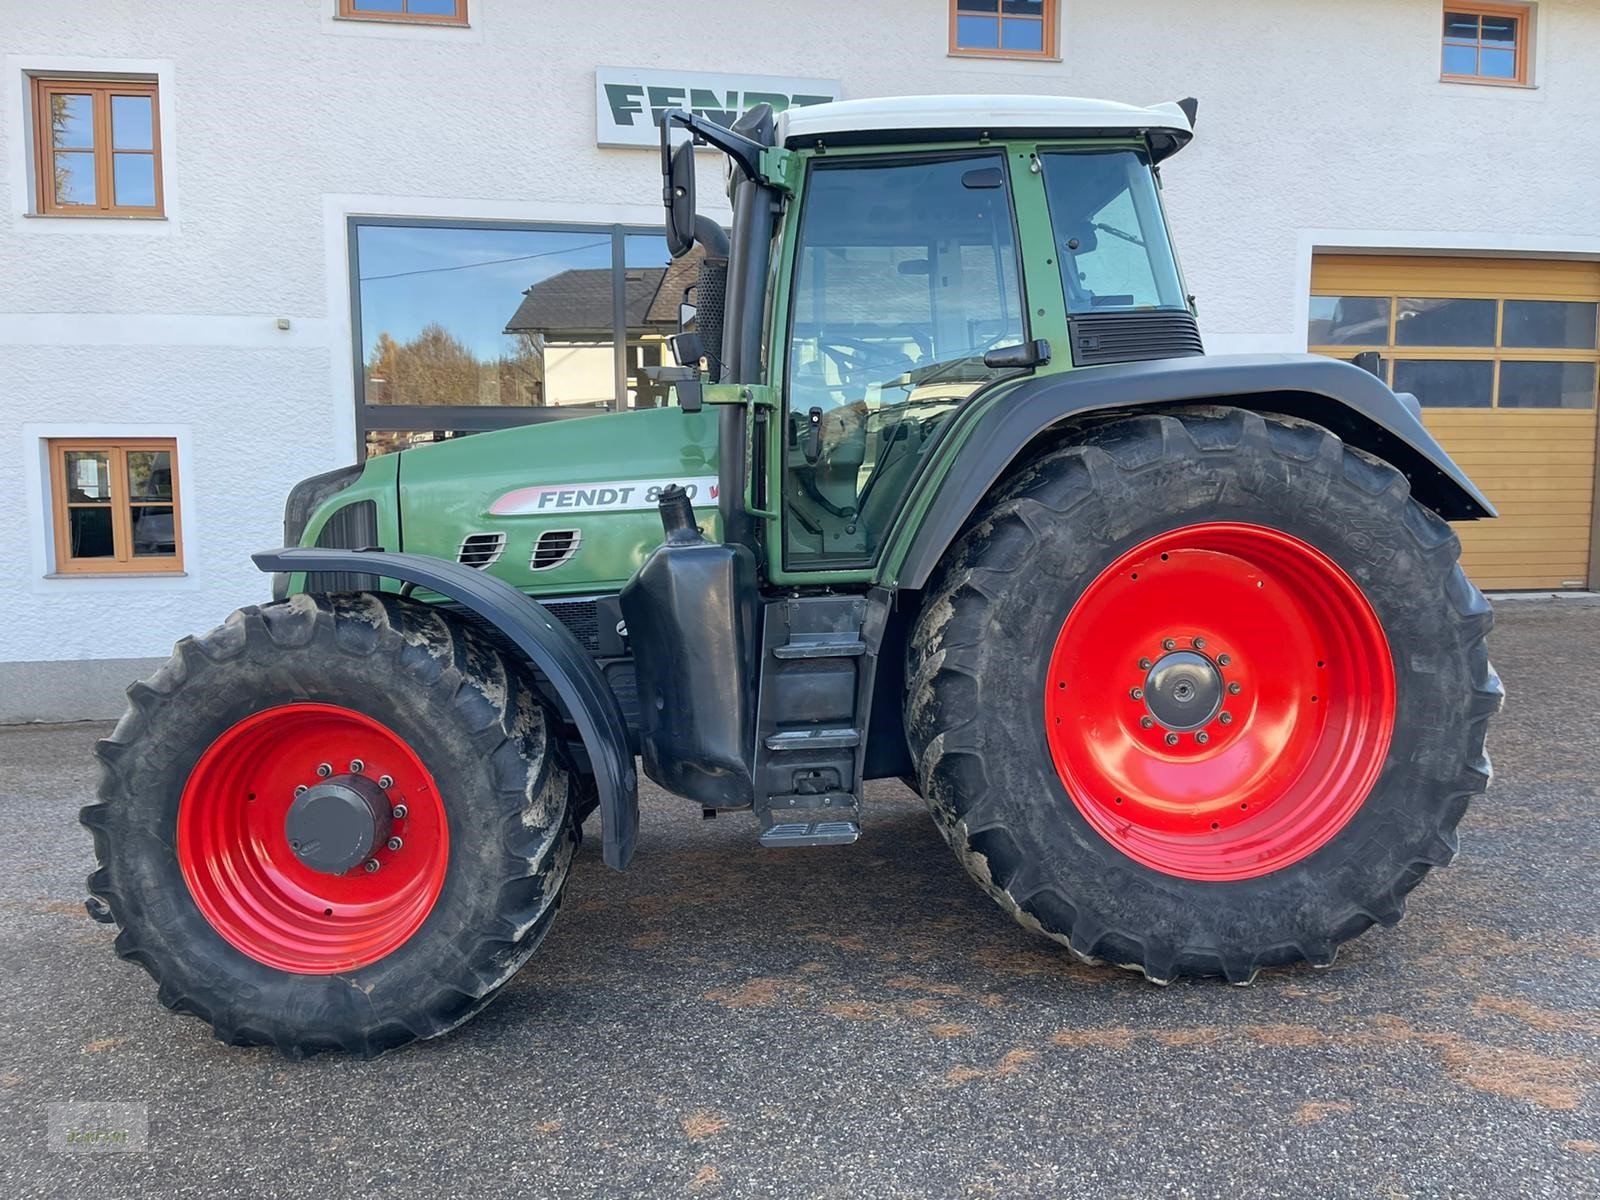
[1504,355]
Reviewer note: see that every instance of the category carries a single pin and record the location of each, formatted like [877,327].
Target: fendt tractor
[1175,647]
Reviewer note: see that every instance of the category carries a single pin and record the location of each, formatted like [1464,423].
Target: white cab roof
[927,118]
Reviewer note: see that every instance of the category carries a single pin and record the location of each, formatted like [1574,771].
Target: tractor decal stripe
[623,495]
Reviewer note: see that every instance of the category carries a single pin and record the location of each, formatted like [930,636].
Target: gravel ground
[724,1020]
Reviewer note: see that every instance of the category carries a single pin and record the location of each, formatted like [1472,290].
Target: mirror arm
[742,150]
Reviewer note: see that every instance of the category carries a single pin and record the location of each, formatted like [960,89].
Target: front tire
[368,704]
[1201,693]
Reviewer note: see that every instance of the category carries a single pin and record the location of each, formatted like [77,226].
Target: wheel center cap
[336,825]
[1183,690]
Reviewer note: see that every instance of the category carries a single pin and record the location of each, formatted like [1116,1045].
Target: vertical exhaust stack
[691,613]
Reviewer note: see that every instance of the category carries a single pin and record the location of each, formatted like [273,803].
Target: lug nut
[372,865]
[399,812]
[1169,644]
[299,788]
[357,766]
[1144,664]
[1172,739]
[1223,660]
[1226,718]
[324,770]
[1145,722]
[1199,643]
[386,782]
[1234,689]
[394,843]
[1202,737]
[1137,693]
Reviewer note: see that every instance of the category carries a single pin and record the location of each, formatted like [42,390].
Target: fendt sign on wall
[629,101]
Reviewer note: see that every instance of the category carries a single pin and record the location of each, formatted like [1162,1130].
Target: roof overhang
[1167,128]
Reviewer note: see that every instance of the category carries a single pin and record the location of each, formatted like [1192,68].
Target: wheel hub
[335,826]
[1183,690]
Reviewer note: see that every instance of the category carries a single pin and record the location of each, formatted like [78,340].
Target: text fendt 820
[1175,647]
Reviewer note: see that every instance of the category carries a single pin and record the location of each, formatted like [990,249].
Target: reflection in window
[656,286]
[483,316]
[1547,384]
[1349,321]
[1549,325]
[1446,383]
[1444,322]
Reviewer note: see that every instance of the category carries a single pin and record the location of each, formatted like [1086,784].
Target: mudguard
[543,641]
[1351,402]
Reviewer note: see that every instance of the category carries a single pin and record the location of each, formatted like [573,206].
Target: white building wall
[1320,124]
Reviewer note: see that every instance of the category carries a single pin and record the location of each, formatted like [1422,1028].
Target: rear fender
[543,641]
[986,439]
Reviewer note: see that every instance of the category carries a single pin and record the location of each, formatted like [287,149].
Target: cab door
[904,274]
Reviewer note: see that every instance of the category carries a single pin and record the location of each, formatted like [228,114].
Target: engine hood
[565,507]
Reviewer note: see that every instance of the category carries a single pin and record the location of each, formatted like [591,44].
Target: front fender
[983,440]
[543,641]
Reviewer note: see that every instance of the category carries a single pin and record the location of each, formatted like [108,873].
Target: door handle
[813,436]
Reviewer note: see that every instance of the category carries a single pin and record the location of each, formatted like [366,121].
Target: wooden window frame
[101,91]
[123,561]
[1049,45]
[349,10]
[1523,14]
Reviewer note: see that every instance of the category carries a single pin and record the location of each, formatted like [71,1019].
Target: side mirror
[687,350]
[686,315]
[678,196]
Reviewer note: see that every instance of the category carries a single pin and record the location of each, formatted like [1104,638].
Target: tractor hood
[564,507]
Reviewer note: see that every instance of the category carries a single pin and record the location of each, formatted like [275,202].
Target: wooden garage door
[1504,355]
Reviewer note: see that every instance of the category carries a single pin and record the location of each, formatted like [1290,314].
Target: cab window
[1111,237]
[906,275]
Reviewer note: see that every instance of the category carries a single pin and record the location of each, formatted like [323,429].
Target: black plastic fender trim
[1354,404]
[544,641]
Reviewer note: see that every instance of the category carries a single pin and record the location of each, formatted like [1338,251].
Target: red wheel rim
[245,878]
[1304,686]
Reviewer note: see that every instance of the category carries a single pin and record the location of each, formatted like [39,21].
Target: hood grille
[481,550]
[554,547]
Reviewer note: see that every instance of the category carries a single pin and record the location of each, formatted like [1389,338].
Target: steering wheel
[858,360]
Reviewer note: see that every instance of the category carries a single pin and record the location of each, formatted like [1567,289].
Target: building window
[1468,351]
[1487,43]
[97,147]
[115,505]
[428,12]
[1003,28]
[466,326]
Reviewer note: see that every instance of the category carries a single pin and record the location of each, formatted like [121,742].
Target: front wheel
[1201,693]
[332,822]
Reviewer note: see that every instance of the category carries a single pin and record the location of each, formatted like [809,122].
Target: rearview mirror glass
[680,201]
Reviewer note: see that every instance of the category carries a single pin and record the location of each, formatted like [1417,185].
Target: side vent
[554,547]
[481,550]
[1113,337]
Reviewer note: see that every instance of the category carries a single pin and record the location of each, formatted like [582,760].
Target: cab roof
[1168,127]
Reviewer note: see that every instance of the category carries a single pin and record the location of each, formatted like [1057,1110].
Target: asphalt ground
[728,1021]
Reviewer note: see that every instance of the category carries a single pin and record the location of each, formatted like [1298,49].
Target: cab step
[828,819]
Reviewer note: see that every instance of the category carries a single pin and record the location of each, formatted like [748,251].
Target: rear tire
[1326,760]
[194,861]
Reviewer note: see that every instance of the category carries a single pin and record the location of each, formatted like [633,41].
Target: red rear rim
[249,883]
[1220,701]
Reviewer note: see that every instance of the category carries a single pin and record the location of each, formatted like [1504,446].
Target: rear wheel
[332,822]
[1202,693]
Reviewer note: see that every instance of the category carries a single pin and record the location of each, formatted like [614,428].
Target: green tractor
[1175,647]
